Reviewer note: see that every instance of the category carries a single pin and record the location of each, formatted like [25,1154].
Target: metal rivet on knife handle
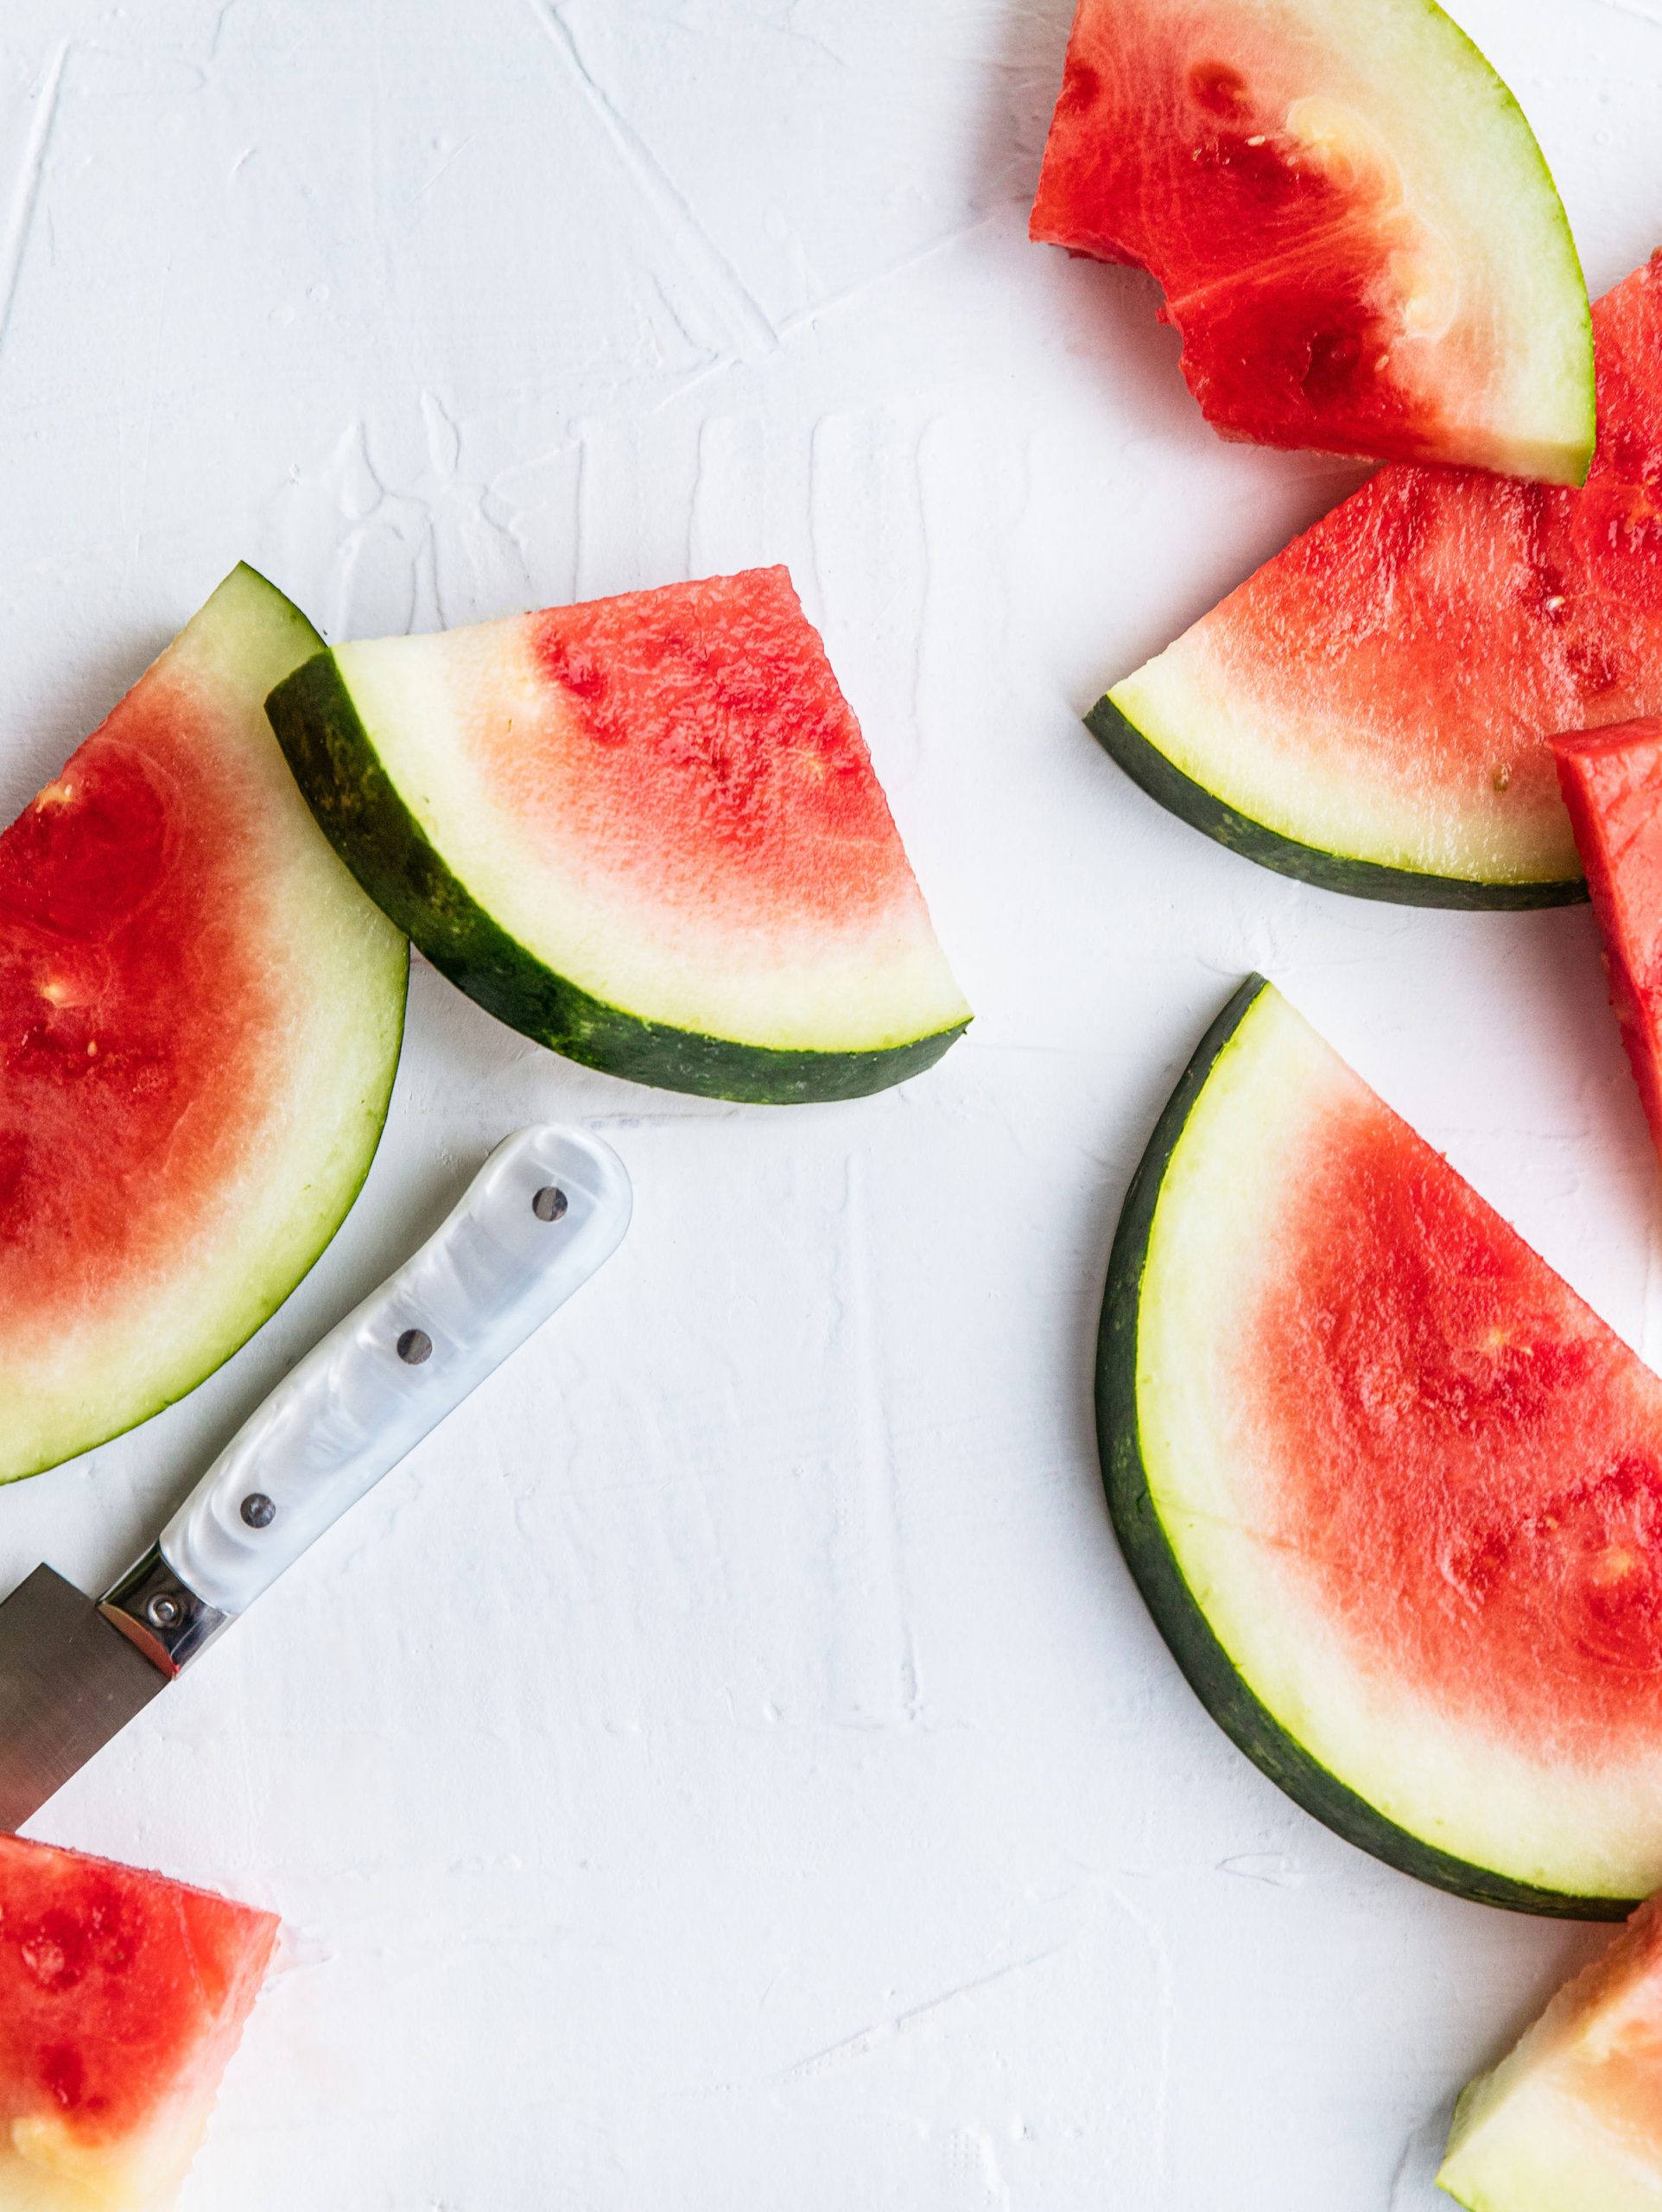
[414,1346]
[258,1510]
[550,1203]
[162,1611]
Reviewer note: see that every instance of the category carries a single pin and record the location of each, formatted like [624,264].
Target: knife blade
[548,1207]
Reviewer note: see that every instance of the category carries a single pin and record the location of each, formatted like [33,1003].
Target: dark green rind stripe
[1152,771]
[1205,1664]
[367,823]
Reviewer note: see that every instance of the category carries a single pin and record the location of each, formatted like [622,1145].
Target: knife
[546,1208]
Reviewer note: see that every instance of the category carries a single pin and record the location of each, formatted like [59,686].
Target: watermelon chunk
[1612,782]
[1571,2121]
[123,1996]
[1393,1493]
[645,831]
[1357,236]
[199,1018]
[1370,711]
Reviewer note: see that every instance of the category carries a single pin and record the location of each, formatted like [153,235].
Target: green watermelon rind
[267,604]
[365,817]
[1154,773]
[1206,1666]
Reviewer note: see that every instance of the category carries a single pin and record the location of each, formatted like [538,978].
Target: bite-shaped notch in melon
[645,831]
[123,1996]
[1612,782]
[1371,710]
[1392,1491]
[1356,233]
[201,1015]
[1571,2120]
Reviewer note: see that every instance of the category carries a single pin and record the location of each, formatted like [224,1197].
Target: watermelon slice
[1571,2121]
[1371,710]
[199,1018]
[1612,782]
[1356,233]
[1393,1493]
[645,831]
[122,1998]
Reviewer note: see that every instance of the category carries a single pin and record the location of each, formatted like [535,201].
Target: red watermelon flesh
[1385,688]
[1611,783]
[1478,1495]
[1351,221]
[725,769]
[123,1996]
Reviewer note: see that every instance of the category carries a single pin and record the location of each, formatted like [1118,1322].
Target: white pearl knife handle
[546,1208]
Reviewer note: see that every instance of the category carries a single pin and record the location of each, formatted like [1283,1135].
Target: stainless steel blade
[68,1682]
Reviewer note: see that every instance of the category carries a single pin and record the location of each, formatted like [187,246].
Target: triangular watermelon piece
[123,1996]
[1392,1490]
[201,1017]
[1370,711]
[1612,782]
[644,831]
[1357,235]
[1571,2121]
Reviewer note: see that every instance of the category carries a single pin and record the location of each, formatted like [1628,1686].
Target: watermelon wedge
[1611,783]
[123,1996]
[1571,2121]
[645,831]
[1355,232]
[1393,1493]
[200,1020]
[1371,710]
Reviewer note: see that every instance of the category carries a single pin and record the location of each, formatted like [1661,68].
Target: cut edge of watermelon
[365,815]
[246,620]
[1154,771]
[1152,1557]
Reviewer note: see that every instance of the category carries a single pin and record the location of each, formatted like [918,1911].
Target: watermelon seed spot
[414,1346]
[1259,138]
[550,1203]
[1502,776]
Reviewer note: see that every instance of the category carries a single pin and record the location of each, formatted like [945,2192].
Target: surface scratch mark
[750,323]
[27,192]
[882,2032]
[1641,15]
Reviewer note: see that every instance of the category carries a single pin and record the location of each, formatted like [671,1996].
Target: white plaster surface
[727,1768]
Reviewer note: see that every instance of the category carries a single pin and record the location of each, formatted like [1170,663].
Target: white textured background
[729,1768]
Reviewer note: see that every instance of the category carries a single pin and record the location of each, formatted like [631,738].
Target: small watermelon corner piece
[1612,784]
[1355,231]
[1571,2119]
[123,1997]
[644,831]
[1371,710]
[1392,1491]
